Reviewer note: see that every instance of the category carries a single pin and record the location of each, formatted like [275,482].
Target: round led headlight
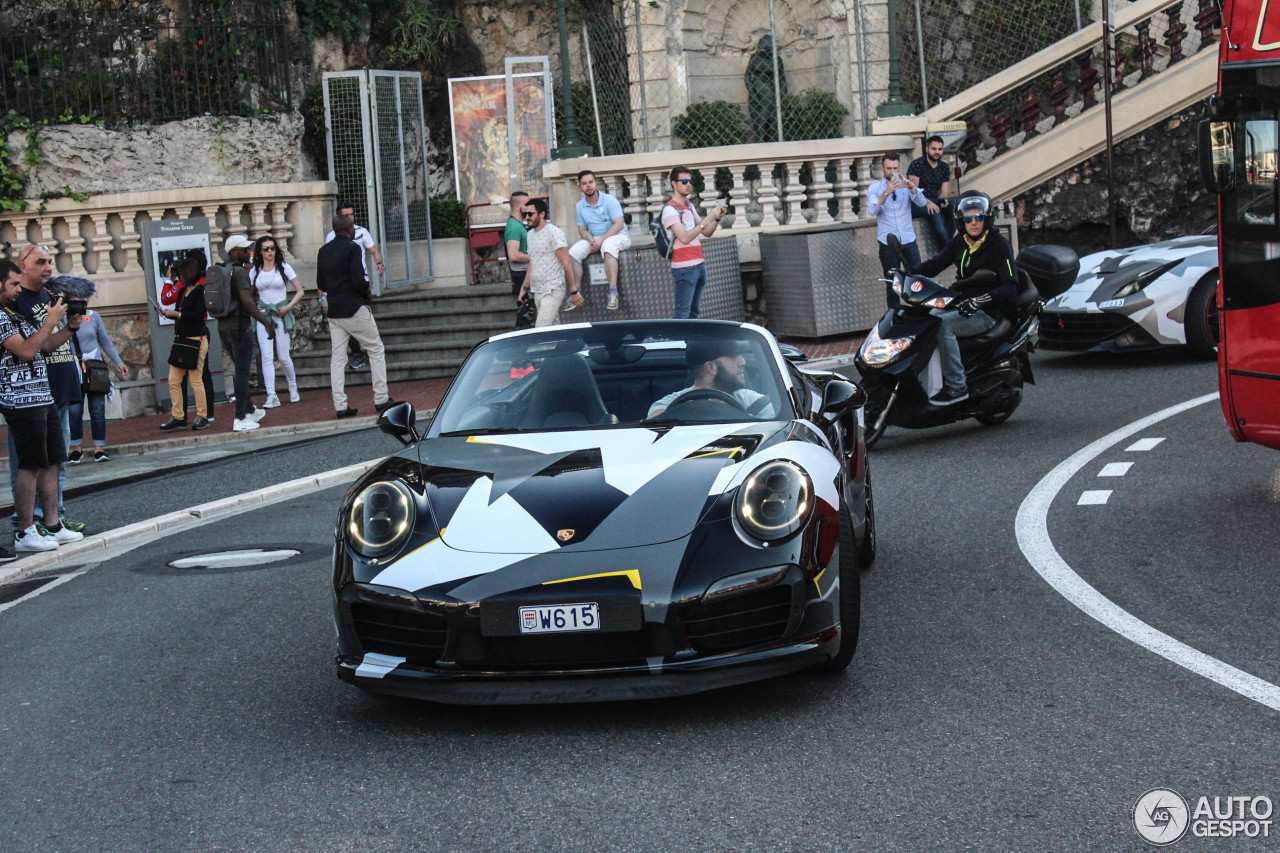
[775,500]
[380,519]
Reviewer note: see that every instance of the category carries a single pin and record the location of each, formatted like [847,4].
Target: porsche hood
[525,493]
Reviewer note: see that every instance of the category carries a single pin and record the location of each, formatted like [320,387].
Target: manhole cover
[234,559]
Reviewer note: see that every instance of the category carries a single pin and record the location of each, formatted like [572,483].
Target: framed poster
[481,165]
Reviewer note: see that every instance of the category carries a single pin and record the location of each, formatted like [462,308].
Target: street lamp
[895,106]
[571,148]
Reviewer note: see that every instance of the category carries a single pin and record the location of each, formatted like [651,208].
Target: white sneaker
[613,302]
[258,414]
[273,402]
[32,540]
[294,396]
[63,536]
[243,424]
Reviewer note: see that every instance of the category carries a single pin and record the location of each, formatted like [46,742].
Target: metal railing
[131,66]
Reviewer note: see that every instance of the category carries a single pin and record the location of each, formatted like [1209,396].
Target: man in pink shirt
[685,231]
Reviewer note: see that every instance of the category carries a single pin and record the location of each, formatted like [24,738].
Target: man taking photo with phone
[688,265]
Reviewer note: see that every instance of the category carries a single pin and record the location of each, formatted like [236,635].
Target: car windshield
[615,375]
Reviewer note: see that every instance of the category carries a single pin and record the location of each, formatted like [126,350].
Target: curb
[173,521]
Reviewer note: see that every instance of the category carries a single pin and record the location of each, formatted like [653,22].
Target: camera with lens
[74,291]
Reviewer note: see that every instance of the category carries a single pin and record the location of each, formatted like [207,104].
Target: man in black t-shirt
[37,435]
[63,367]
[238,334]
[933,177]
[341,277]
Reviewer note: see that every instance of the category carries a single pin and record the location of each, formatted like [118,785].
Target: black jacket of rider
[994,254]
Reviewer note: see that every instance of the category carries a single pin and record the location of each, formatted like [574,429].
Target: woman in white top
[272,276]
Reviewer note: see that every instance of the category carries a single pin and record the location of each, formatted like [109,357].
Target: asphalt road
[148,708]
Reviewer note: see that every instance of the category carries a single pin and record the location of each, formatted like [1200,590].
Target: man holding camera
[37,432]
[32,301]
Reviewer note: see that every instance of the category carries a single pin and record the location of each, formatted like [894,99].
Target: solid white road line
[39,590]
[1033,538]
[112,543]
[1094,497]
[1115,469]
[1145,443]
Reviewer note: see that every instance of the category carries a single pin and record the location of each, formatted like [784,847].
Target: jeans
[955,325]
[689,284]
[240,340]
[943,225]
[97,420]
[64,418]
[889,263]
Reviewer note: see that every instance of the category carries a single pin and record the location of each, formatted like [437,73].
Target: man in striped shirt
[688,266]
[889,200]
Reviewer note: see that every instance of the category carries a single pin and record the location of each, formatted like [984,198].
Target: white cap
[237,241]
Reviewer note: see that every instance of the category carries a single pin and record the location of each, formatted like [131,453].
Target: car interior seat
[565,395]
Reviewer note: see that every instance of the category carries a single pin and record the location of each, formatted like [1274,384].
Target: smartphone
[722,202]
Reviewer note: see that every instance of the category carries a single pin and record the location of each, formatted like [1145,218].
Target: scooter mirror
[893,242]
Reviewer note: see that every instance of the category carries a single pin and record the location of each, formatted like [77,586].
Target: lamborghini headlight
[775,501]
[380,519]
[877,351]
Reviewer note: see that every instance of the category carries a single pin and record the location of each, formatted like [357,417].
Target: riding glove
[972,305]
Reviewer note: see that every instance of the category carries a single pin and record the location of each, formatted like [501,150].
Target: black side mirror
[840,397]
[1216,149]
[792,353]
[398,422]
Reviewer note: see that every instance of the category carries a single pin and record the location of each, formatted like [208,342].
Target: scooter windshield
[922,291]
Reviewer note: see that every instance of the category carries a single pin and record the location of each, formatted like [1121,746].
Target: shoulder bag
[95,374]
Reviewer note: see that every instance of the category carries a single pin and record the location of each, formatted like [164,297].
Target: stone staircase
[427,333]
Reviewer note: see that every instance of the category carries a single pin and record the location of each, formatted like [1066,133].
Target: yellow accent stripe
[818,577]
[730,450]
[633,574]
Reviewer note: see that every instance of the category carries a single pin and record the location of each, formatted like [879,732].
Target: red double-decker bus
[1239,148]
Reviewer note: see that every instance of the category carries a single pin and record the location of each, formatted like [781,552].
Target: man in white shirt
[890,200]
[365,240]
[550,270]
[718,364]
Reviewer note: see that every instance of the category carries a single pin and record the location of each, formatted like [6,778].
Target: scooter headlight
[775,501]
[877,351]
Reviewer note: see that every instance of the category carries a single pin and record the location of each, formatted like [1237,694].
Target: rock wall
[1158,193]
[198,152]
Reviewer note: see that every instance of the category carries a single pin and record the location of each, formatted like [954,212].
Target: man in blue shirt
[889,200]
[603,230]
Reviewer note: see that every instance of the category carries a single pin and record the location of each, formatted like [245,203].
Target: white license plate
[556,618]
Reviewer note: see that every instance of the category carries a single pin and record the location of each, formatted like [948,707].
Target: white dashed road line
[1033,538]
[1115,469]
[1147,443]
[1094,497]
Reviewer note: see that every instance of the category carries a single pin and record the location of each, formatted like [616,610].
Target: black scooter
[899,361]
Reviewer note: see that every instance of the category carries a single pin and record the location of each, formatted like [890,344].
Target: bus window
[1255,201]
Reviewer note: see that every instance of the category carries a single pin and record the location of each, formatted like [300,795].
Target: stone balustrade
[769,186]
[102,237]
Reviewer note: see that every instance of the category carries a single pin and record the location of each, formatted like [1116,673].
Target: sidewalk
[139,449]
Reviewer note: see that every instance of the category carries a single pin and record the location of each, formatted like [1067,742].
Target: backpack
[661,237]
[219,293]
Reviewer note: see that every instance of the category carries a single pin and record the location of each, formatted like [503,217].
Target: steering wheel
[707,394]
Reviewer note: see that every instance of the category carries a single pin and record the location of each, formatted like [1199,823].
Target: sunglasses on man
[973,217]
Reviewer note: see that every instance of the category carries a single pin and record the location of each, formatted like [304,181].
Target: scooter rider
[976,246]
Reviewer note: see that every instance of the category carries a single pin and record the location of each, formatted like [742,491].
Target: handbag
[526,314]
[97,377]
[185,353]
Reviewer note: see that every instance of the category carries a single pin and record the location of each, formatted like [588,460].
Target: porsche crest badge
[565,535]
